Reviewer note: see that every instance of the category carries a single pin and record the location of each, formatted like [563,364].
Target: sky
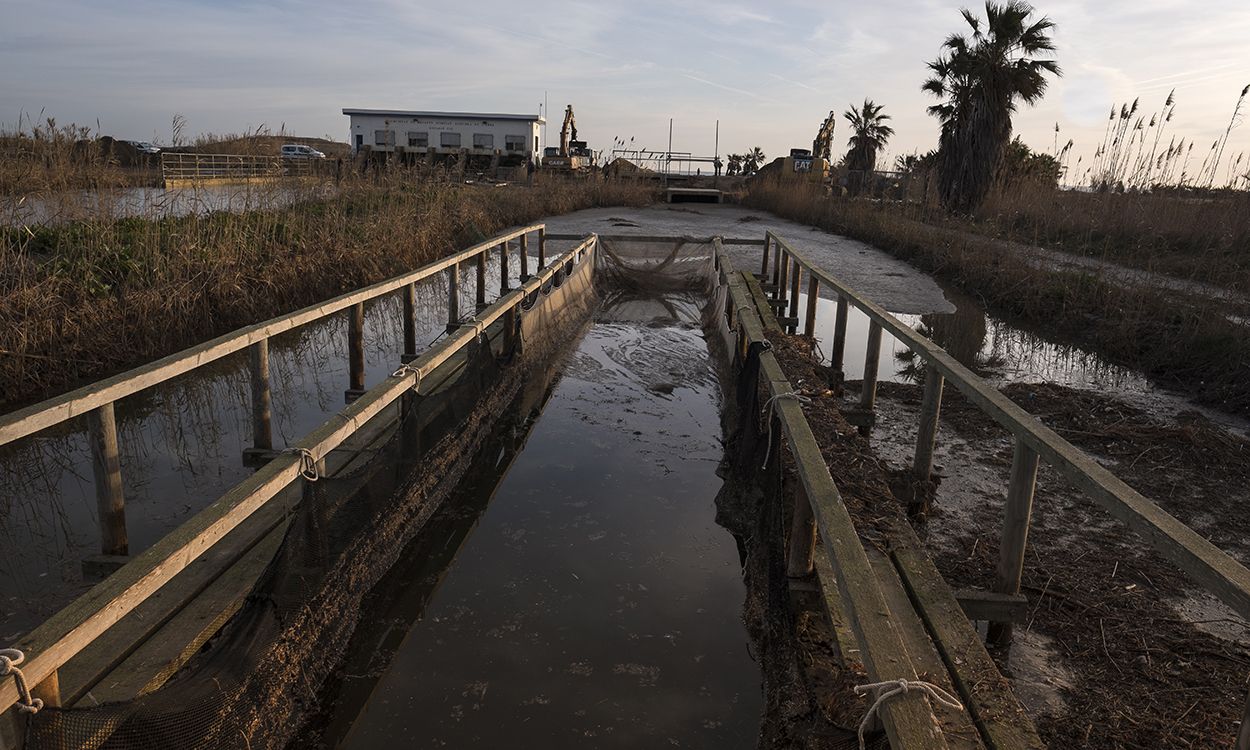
[769,72]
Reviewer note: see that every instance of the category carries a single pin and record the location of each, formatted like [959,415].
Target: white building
[512,138]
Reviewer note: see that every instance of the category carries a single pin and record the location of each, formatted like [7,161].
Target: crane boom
[569,127]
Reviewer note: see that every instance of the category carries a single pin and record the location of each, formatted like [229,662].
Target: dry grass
[84,299]
[1186,341]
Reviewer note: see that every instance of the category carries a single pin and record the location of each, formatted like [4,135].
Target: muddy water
[596,603]
[181,448]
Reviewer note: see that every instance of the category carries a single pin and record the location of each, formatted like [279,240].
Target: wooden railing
[1216,571]
[50,645]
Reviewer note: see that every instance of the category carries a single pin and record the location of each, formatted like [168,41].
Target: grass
[85,299]
[1185,341]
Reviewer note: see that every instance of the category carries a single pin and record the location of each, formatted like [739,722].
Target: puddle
[595,602]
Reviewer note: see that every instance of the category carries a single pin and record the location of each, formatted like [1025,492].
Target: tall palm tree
[979,79]
[869,134]
[752,160]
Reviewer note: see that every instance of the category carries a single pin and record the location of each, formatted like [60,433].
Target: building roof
[446,115]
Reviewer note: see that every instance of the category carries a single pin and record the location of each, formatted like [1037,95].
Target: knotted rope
[307,463]
[407,369]
[768,416]
[9,659]
[887,690]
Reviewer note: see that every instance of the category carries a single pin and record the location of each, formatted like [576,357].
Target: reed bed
[86,298]
[1196,344]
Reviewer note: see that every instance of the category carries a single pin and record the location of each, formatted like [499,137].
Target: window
[514,142]
[360,140]
[418,140]
[483,140]
[449,140]
[384,137]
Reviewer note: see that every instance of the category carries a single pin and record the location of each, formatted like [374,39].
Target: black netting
[257,681]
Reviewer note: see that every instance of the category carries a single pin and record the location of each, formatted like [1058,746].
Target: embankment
[1184,342]
[84,300]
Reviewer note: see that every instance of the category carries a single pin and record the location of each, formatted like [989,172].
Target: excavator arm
[568,129]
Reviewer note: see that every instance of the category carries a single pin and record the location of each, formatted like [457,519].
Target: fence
[65,634]
[179,166]
[1213,569]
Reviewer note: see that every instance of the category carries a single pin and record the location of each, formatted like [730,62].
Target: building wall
[404,135]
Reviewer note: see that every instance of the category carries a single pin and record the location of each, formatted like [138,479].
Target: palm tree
[979,80]
[752,160]
[735,164]
[869,134]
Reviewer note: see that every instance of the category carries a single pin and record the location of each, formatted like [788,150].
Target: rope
[9,659]
[768,416]
[307,463]
[407,369]
[887,690]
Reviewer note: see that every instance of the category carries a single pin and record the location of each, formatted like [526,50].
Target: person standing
[529,172]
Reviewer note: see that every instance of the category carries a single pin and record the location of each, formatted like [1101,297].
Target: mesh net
[255,683]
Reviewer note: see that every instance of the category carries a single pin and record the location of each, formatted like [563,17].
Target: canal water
[593,600]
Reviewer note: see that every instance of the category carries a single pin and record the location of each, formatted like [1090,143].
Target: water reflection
[181,447]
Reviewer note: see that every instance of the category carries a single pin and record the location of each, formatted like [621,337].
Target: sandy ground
[883,278]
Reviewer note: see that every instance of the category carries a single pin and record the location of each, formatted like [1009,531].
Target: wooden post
[106,465]
[868,396]
[49,691]
[776,280]
[838,355]
[768,239]
[525,257]
[813,296]
[482,259]
[1016,518]
[795,281]
[453,295]
[503,268]
[801,558]
[783,277]
[542,248]
[410,323]
[262,428]
[930,410]
[355,352]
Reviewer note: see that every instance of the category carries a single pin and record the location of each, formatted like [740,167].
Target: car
[144,147]
[299,151]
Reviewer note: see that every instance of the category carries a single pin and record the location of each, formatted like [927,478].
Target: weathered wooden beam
[1016,517]
[355,352]
[258,369]
[799,559]
[106,467]
[930,411]
[453,298]
[542,247]
[837,357]
[796,280]
[525,257]
[813,296]
[992,606]
[503,268]
[768,240]
[868,393]
[410,323]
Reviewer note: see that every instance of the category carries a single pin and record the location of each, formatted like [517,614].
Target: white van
[297,151]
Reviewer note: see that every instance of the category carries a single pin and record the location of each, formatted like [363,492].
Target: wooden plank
[1016,519]
[77,402]
[988,605]
[1204,562]
[107,471]
[835,611]
[258,371]
[872,361]
[982,689]
[957,726]
[86,618]
[926,434]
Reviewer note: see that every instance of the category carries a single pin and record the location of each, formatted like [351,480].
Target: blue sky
[768,72]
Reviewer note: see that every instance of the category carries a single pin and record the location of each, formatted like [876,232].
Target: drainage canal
[576,590]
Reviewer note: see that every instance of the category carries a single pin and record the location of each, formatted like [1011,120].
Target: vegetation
[745,164]
[980,79]
[869,134]
[83,299]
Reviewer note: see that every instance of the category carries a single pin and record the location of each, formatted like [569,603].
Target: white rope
[887,690]
[768,416]
[307,463]
[9,659]
[407,369]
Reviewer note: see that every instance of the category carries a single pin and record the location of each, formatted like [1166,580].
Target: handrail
[23,422]
[1218,572]
[67,632]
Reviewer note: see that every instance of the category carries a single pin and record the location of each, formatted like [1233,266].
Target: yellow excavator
[812,165]
[572,155]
